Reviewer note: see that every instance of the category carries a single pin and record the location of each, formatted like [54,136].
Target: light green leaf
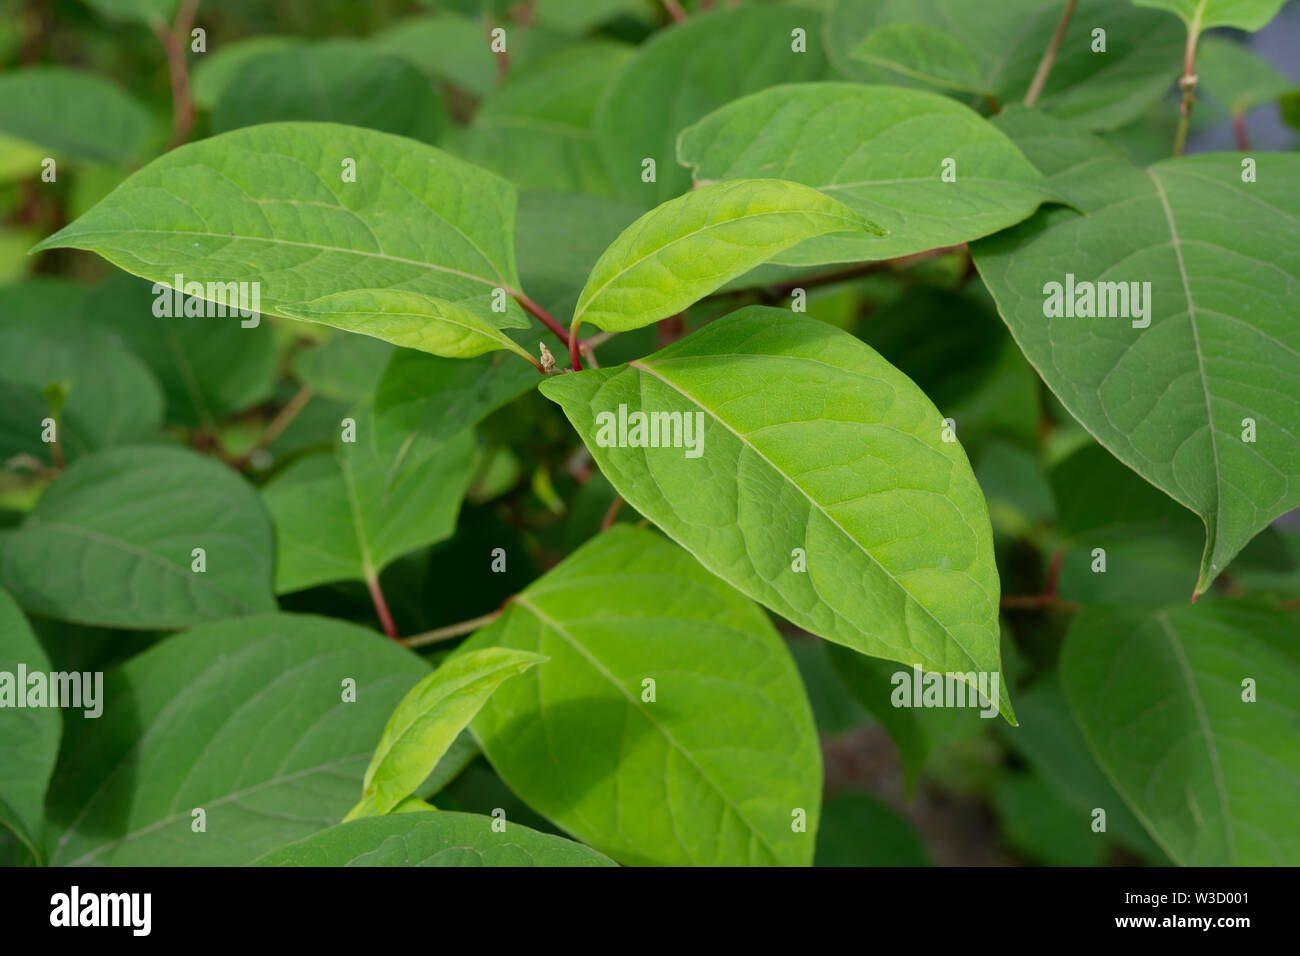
[268,204]
[1202,14]
[248,720]
[433,839]
[335,81]
[412,320]
[72,114]
[881,151]
[1169,398]
[216,70]
[808,440]
[536,129]
[1162,700]
[112,542]
[347,515]
[708,772]
[683,73]
[29,736]
[428,720]
[690,246]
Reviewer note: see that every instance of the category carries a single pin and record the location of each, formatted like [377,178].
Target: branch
[451,630]
[675,10]
[381,606]
[1187,83]
[573,346]
[1049,55]
[173,42]
[278,424]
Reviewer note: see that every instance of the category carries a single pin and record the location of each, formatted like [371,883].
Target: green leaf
[1210,771]
[346,368]
[428,720]
[858,830]
[995,51]
[29,736]
[536,129]
[152,12]
[683,73]
[72,114]
[209,367]
[217,70]
[112,542]
[449,47]
[1202,14]
[812,441]
[688,247]
[410,319]
[1170,398]
[268,204]
[254,721]
[1042,827]
[335,81]
[347,515]
[814,133]
[433,839]
[106,395]
[439,397]
[1050,741]
[712,769]
[1234,76]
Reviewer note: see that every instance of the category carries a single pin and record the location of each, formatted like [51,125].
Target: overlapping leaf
[1203,14]
[1172,392]
[432,839]
[1193,713]
[112,542]
[265,724]
[880,150]
[669,725]
[72,114]
[810,443]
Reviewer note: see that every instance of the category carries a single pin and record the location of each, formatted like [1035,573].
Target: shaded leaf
[72,114]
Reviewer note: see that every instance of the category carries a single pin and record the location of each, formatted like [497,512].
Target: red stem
[381,606]
[1239,130]
[573,348]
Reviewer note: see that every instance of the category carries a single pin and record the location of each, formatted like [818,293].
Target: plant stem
[381,606]
[173,41]
[675,10]
[451,630]
[1239,130]
[608,521]
[1187,82]
[1049,55]
[573,347]
[278,424]
[537,312]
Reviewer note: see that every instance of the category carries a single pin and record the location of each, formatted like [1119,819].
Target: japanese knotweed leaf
[346,515]
[29,734]
[690,246]
[264,723]
[807,447]
[669,725]
[447,46]
[216,70]
[427,721]
[1202,14]
[333,81]
[156,13]
[112,542]
[681,74]
[72,114]
[1193,712]
[443,838]
[1098,81]
[412,320]
[274,205]
[536,128]
[880,150]
[1193,380]
[345,368]
[1236,77]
